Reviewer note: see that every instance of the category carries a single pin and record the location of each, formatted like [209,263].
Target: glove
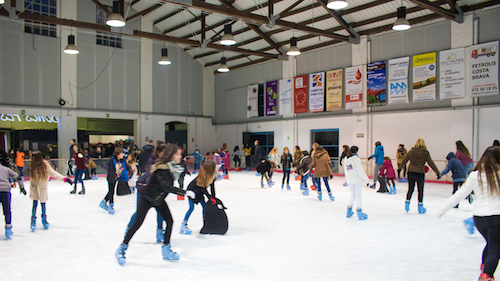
[369,158]
[367,184]
[22,191]
[331,176]
[68,180]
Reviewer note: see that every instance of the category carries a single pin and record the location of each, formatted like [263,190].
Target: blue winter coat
[458,172]
[197,157]
[378,155]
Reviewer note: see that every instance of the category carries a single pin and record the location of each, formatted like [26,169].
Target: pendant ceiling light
[164,60]
[2,2]
[228,38]
[223,66]
[401,23]
[293,50]
[71,48]
[115,19]
[336,4]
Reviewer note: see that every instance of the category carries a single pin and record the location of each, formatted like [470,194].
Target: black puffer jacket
[160,184]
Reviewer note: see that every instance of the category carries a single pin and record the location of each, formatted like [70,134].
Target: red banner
[300,94]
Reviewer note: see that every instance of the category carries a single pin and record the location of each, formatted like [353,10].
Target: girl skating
[6,175]
[354,175]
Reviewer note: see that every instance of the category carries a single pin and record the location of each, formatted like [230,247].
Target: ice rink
[273,234]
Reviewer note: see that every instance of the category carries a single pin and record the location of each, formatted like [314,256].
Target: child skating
[303,169]
[118,169]
[286,162]
[264,168]
[388,172]
[354,175]
[6,175]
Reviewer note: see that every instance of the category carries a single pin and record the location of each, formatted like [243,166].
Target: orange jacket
[20,159]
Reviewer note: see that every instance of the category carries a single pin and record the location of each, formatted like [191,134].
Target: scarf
[175,169]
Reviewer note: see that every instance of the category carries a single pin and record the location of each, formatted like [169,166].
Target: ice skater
[264,168]
[197,160]
[165,171]
[218,164]
[379,162]
[118,169]
[400,155]
[484,180]
[388,173]
[197,189]
[6,175]
[40,173]
[286,162]
[274,160]
[304,169]
[354,175]
[322,170]
[131,161]
[458,172]
[79,160]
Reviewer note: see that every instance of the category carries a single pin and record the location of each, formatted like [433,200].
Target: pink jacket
[217,159]
[390,174]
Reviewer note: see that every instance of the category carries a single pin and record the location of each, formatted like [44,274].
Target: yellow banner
[334,90]
[424,59]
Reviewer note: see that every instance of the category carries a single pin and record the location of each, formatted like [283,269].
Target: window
[105,38]
[41,7]
[328,139]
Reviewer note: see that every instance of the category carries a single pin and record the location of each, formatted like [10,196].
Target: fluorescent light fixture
[336,4]
[293,50]
[223,66]
[401,23]
[71,48]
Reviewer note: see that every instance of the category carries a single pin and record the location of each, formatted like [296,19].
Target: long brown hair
[351,151]
[38,169]
[461,147]
[167,154]
[206,175]
[489,164]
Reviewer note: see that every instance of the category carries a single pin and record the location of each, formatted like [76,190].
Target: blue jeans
[196,166]
[21,171]
[78,176]
[5,198]
[191,208]
[304,179]
[318,184]
[159,219]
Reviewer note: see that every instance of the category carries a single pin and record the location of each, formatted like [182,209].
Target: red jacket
[79,160]
[390,174]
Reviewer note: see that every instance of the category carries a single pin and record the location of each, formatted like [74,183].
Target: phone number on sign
[483,89]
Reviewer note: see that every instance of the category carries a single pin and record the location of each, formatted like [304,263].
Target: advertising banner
[424,77]
[398,80]
[354,87]
[271,96]
[300,94]
[252,101]
[452,74]
[375,84]
[285,90]
[334,90]
[484,69]
[317,92]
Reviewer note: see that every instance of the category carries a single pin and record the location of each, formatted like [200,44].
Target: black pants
[5,199]
[417,178]
[111,192]
[286,175]
[140,215]
[401,167]
[247,161]
[237,161]
[489,227]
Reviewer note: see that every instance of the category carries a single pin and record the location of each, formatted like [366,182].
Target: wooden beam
[453,7]
[440,11]
[102,7]
[3,12]
[284,13]
[339,19]
[260,19]
[145,12]
[245,64]
[167,16]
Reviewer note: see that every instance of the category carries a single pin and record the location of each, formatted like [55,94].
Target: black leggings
[248,161]
[401,167]
[286,174]
[489,227]
[142,210]
[111,192]
[412,179]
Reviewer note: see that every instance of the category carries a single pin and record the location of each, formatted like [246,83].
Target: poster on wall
[484,69]
[375,84]
[285,90]
[354,87]
[334,90]
[397,75]
[317,92]
[271,97]
[300,94]
[252,101]
[424,77]
[452,74]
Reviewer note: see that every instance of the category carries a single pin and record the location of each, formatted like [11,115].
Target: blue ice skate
[110,208]
[288,187]
[33,224]
[345,184]
[421,209]
[258,174]
[247,169]
[331,196]
[349,212]
[120,254]
[302,186]
[305,192]
[407,206]
[469,224]
[270,182]
[45,223]
[103,205]
[185,229]
[159,235]
[8,231]
[219,178]
[262,184]
[361,215]
[320,196]
[404,180]
[282,186]
[168,254]
[194,172]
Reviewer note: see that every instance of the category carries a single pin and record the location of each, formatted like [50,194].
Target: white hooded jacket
[353,171]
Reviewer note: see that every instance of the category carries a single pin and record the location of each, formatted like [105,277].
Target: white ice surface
[273,235]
